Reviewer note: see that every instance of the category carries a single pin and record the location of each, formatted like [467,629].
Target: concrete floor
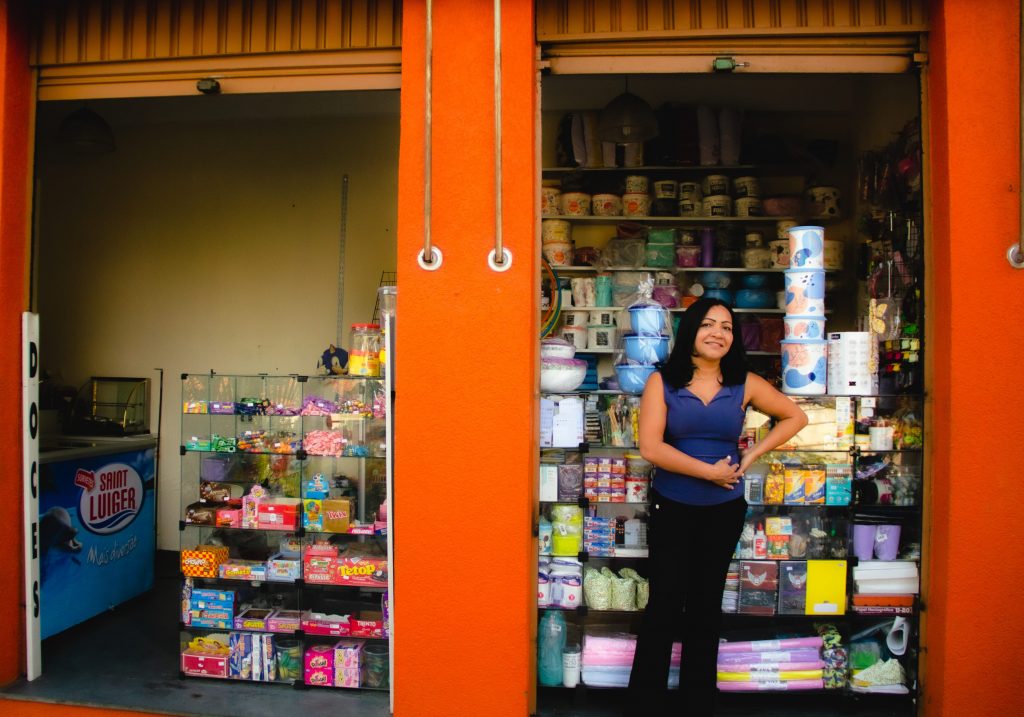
[127,658]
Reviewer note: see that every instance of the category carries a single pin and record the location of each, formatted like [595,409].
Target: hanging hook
[499,259]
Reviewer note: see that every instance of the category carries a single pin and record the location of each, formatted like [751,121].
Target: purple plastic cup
[887,542]
[864,541]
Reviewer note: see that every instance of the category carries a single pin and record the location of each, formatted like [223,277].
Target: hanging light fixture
[85,132]
[627,118]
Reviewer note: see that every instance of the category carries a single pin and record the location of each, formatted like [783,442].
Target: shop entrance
[839,150]
[239,234]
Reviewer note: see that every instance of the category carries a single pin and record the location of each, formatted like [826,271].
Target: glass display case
[284,530]
[111,406]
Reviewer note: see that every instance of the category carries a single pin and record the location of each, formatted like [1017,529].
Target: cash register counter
[97,525]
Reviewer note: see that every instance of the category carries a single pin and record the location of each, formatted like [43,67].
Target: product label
[111,497]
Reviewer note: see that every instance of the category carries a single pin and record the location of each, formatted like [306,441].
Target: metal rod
[428,251]
[499,252]
[1018,261]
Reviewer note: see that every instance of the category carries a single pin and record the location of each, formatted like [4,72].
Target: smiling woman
[691,416]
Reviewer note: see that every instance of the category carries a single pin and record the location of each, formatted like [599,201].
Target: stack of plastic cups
[805,346]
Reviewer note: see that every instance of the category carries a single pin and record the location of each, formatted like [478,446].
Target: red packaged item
[278,513]
[363,571]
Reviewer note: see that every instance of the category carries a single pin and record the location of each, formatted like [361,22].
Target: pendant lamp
[627,118]
[85,132]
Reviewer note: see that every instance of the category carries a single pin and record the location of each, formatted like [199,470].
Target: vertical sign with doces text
[30,462]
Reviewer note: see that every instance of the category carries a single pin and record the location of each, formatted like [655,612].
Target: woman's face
[714,335]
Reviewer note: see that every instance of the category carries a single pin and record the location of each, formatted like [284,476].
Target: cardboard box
[278,513]
[284,621]
[253,619]
[319,569]
[203,561]
[283,569]
[367,623]
[337,514]
[243,570]
[319,666]
[363,571]
[200,664]
[313,514]
[316,623]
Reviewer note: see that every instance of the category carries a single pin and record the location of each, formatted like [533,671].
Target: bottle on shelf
[760,543]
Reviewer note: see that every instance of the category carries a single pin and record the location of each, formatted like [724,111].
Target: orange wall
[466,351]
[15,111]
[977,341]
[467,374]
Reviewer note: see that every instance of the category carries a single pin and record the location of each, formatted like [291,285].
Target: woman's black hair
[678,370]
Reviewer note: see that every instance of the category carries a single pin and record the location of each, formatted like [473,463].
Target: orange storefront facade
[976,339]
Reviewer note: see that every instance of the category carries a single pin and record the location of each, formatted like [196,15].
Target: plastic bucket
[804,367]
[804,327]
[632,378]
[647,320]
[805,292]
[807,247]
[645,349]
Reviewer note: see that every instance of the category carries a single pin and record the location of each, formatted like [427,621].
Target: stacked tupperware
[805,346]
[646,345]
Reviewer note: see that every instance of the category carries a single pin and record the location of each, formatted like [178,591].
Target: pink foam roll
[771,666]
[802,655]
[788,686]
[767,645]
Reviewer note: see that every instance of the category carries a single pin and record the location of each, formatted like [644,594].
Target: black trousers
[690,550]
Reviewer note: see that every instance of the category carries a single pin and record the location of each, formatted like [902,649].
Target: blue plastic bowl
[722,294]
[633,377]
[754,299]
[715,279]
[648,320]
[754,281]
[645,349]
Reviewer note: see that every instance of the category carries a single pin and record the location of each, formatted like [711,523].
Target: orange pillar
[976,338]
[15,178]
[465,408]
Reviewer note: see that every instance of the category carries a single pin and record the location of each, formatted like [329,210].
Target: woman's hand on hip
[724,473]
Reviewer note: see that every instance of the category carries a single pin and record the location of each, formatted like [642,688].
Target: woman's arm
[653,415]
[789,417]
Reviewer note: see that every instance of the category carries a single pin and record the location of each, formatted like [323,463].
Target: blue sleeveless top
[705,432]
